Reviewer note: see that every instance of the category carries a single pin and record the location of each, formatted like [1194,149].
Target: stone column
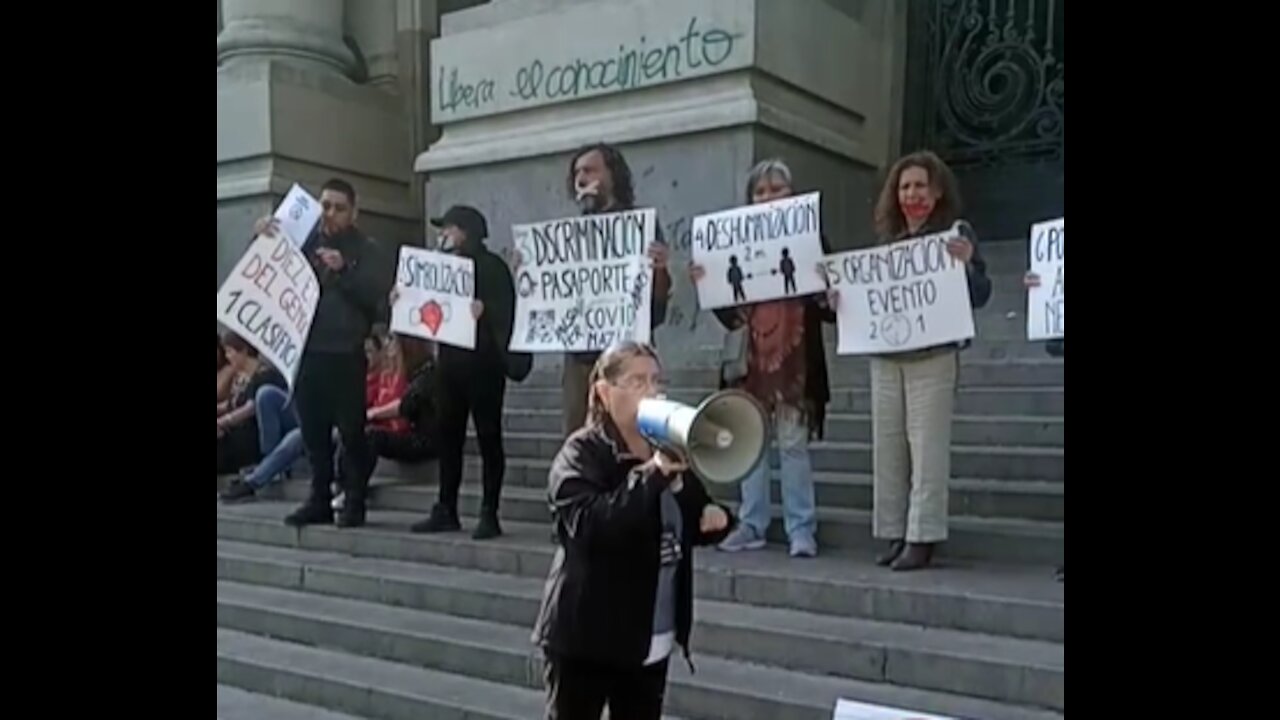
[372,25]
[304,33]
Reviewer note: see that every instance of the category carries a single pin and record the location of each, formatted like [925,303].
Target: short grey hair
[765,168]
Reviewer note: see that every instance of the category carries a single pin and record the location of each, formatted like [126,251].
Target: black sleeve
[362,281]
[661,287]
[976,270]
[417,398]
[591,513]
[693,499]
[730,317]
[499,302]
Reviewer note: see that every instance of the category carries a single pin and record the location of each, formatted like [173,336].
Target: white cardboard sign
[905,296]
[1047,304]
[270,300]
[434,295]
[759,252]
[585,282]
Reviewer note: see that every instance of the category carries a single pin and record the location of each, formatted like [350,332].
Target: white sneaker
[743,538]
[804,548]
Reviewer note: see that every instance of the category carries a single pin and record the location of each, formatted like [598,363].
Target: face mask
[445,243]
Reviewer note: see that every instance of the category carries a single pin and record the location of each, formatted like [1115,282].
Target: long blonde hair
[608,368]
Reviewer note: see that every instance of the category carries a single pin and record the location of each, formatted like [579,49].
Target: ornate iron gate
[987,91]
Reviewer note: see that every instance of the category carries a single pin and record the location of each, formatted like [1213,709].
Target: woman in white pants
[913,393]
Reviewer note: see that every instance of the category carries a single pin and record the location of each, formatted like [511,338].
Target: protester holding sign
[913,392]
[473,383]
[783,364]
[1055,348]
[330,389]
[600,182]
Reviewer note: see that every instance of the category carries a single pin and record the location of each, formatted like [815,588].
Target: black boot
[888,556]
[915,557]
[352,514]
[442,519]
[315,511]
[488,527]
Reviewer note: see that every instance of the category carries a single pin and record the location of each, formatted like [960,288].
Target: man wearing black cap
[474,382]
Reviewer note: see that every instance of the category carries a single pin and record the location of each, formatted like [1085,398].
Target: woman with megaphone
[619,596]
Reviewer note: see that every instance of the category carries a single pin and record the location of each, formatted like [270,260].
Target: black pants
[407,447]
[329,394]
[475,392]
[579,690]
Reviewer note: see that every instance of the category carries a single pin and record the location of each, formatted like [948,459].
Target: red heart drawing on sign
[431,316]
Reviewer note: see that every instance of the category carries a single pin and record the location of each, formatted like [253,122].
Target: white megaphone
[721,440]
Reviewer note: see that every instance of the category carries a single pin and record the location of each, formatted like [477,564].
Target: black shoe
[916,557]
[311,513]
[351,515]
[887,557]
[240,491]
[1061,575]
[488,528]
[442,520]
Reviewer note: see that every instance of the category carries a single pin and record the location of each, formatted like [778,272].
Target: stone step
[1025,431]
[969,461]
[1037,401]
[1027,500]
[1010,601]
[855,372]
[236,704]
[996,539]
[1002,669]
[363,686]
[503,653]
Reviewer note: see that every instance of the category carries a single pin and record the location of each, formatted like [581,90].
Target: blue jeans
[279,438]
[799,507]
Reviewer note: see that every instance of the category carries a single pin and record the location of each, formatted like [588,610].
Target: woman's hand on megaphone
[667,465]
[714,519]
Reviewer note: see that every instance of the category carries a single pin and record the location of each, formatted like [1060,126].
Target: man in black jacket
[474,382]
[330,388]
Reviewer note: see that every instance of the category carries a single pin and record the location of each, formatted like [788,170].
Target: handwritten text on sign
[621,47]
[909,295]
[584,283]
[434,297]
[270,300]
[1047,304]
[298,214]
[759,252]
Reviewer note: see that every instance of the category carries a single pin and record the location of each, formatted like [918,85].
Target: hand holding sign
[960,249]
[477,309]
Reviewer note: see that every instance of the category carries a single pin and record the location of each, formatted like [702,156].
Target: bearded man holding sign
[330,390]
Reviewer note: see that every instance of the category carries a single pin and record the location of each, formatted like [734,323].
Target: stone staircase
[380,623]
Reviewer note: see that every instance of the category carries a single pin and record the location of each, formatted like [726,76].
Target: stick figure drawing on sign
[735,279]
[788,268]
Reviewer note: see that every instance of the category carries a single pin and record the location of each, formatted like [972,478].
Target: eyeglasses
[639,383]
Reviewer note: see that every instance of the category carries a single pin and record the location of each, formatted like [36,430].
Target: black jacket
[350,299]
[599,598]
[496,289]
